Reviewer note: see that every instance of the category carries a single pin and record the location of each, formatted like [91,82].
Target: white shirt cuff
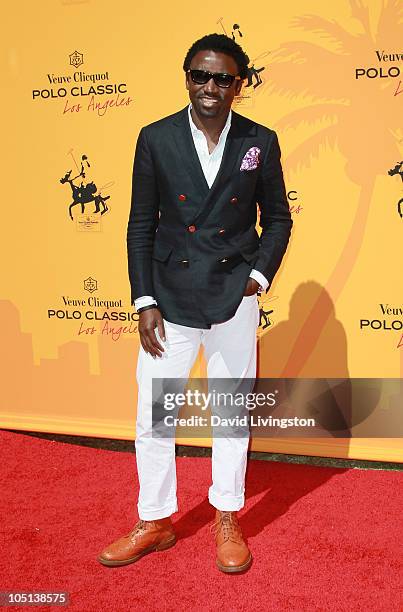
[144,300]
[260,278]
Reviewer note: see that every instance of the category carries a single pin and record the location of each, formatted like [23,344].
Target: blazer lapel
[233,144]
[231,156]
[187,151]
[237,133]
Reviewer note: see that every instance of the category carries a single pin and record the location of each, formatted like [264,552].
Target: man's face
[209,100]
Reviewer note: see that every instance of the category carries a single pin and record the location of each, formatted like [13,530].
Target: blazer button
[182,197]
[221,231]
[224,260]
[191,228]
[185,262]
[234,200]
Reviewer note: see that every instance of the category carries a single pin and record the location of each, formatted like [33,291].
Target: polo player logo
[253,73]
[398,169]
[84,193]
[253,76]
[265,312]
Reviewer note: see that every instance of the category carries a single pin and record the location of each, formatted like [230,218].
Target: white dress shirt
[210,163]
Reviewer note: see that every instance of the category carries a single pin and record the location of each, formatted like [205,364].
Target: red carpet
[322,539]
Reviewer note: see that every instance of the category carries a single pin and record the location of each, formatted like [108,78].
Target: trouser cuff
[159,513]
[226,503]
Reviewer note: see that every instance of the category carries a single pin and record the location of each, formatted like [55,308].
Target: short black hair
[220,43]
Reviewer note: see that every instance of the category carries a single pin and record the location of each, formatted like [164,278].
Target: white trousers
[230,351]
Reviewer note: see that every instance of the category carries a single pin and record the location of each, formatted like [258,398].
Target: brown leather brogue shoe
[233,555]
[145,537]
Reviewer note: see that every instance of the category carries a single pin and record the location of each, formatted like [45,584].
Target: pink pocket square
[251,159]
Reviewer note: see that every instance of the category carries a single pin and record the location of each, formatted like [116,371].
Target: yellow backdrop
[80,79]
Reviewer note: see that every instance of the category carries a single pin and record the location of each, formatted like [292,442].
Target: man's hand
[148,321]
[252,287]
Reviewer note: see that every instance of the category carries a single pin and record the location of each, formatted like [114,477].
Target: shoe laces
[138,529]
[228,524]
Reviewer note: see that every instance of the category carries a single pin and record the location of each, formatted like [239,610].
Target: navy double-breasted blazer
[190,246]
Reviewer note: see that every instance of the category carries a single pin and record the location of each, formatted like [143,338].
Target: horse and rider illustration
[265,311]
[398,169]
[84,193]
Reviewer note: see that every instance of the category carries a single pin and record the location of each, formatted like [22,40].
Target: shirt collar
[225,129]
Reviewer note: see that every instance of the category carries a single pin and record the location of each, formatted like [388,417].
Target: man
[196,264]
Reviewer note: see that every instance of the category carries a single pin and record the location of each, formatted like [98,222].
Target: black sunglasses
[221,79]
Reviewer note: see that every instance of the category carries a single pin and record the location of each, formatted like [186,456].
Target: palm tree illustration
[358,116]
